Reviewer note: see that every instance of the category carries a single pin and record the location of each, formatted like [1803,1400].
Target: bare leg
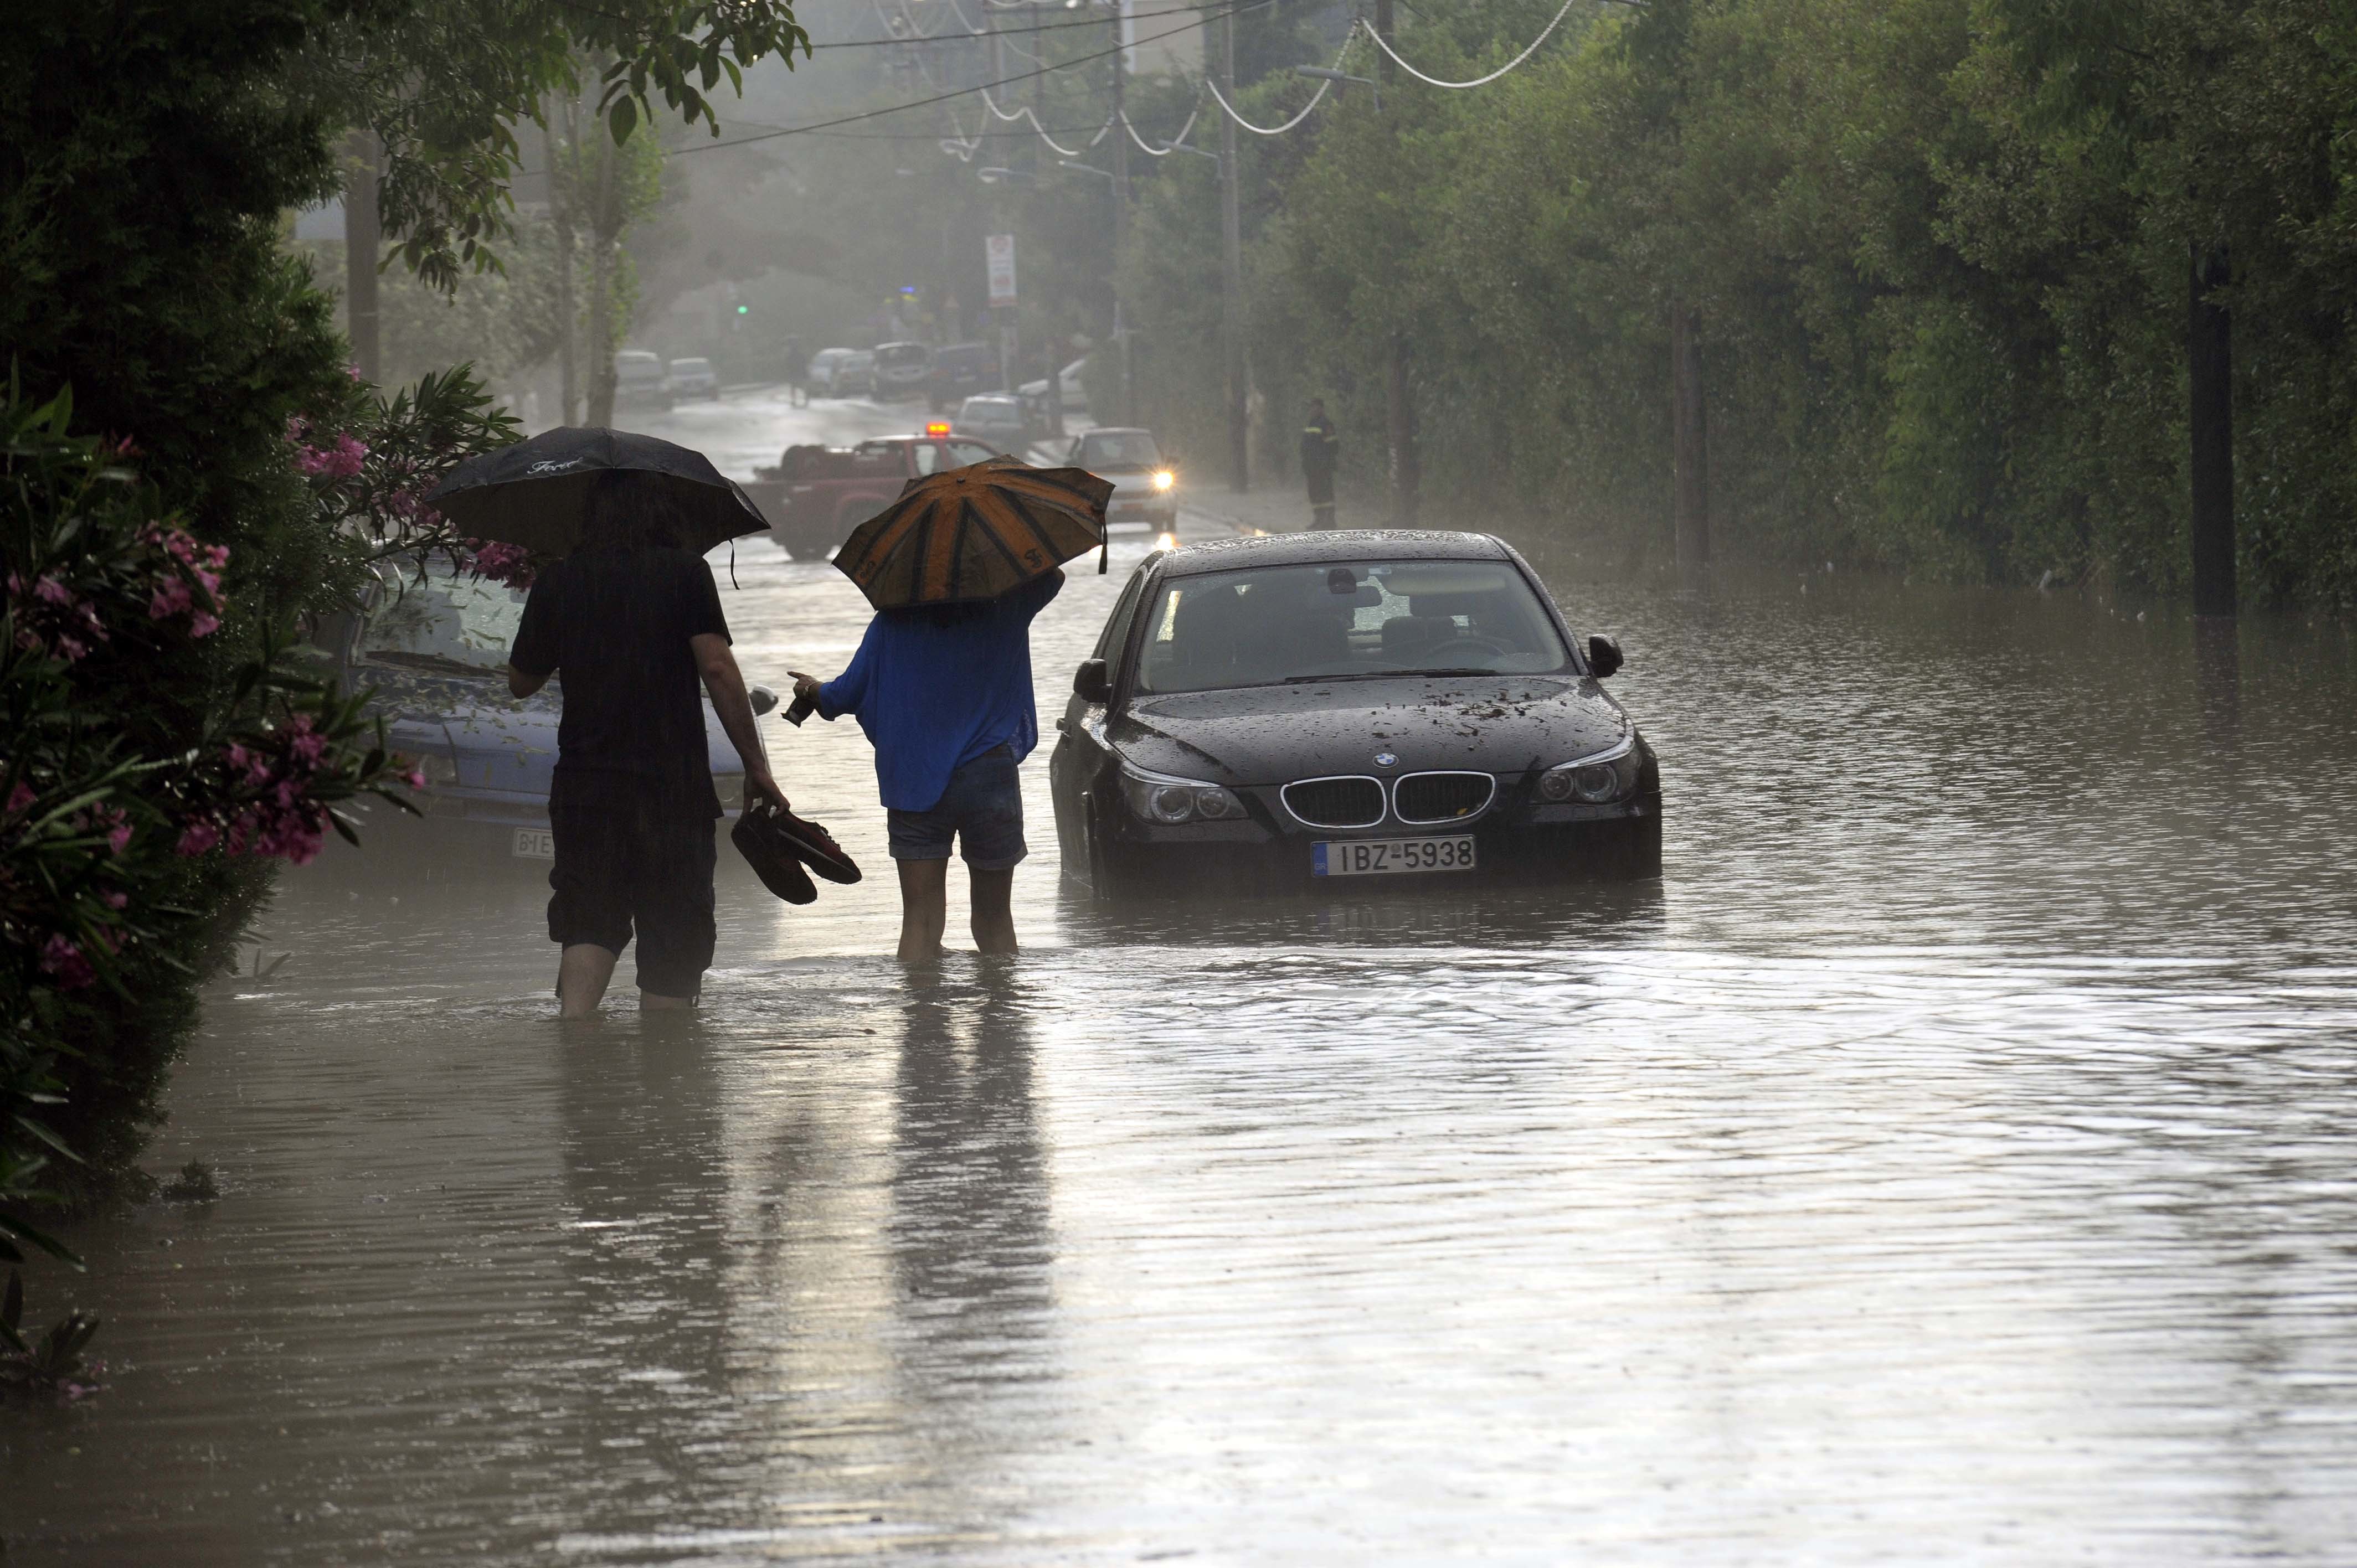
[993,915]
[583,973]
[924,908]
[654,1002]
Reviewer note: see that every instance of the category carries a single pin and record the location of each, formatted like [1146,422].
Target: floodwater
[1952,1160]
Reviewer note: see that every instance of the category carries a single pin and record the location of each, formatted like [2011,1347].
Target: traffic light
[744,310]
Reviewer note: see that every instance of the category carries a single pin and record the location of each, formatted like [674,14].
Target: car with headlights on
[1303,711]
[434,650]
[1145,484]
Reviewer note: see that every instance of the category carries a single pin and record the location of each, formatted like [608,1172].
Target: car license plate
[535,844]
[1371,857]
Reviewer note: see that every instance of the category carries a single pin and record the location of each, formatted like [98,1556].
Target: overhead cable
[1172,145]
[1385,44]
[961,92]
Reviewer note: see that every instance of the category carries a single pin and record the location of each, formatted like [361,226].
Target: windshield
[992,410]
[460,625]
[692,367]
[1119,449]
[900,355]
[1336,622]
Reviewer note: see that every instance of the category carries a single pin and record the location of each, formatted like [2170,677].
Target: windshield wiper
[426,662]
[1378,675]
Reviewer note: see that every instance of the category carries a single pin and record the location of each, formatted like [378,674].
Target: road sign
[1000,251]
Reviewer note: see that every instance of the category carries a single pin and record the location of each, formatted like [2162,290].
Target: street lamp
[1091,168]
[1322,74]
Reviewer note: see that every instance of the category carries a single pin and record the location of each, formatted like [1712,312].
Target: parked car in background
[902,370]
[959,371]
[434,651]
[840,372]
[1075,396]
[998,420]
[695,377]
[817,495]
[1145,487]
[1366,708]
[640,381]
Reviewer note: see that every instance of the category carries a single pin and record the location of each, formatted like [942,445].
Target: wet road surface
[1949,1161]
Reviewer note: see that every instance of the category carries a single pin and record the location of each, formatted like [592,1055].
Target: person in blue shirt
[943,693]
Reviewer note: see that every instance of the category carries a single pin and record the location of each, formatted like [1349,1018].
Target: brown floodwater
[1954,1158]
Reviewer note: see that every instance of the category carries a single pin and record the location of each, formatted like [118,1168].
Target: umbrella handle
[1104,546]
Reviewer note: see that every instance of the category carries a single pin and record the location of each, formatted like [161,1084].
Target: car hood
[1270,735]
[499,742]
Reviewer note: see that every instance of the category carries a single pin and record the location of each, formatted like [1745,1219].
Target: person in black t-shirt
[633,624]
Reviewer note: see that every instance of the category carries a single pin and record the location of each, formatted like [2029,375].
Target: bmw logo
[1385,759]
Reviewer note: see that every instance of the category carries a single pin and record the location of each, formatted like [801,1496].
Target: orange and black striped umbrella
[975,532]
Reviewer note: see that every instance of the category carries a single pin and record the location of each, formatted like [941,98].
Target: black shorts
[621,868]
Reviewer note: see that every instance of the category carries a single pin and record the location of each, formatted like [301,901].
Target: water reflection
[1950,1159]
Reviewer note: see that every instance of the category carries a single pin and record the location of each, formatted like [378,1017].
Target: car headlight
[1594,781]
[1163,478]
[1158,798]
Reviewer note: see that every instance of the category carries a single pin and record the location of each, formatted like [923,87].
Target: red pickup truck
[817,495]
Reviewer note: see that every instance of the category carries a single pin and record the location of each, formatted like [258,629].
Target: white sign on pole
[1000,251]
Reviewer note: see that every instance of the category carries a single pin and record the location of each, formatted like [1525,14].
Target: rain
[1638,721]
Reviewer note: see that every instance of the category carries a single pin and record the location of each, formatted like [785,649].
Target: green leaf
[623,120]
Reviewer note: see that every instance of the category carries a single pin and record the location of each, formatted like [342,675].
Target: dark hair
[628,510]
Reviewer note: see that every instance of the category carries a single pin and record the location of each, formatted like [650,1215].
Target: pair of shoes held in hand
[777,845]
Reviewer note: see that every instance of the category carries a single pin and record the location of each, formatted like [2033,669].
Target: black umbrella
[532,493]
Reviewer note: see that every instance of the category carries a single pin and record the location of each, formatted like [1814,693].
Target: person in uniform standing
[1319,445]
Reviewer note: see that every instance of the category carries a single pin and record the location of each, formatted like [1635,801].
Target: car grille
[1335,802]
[1441,796]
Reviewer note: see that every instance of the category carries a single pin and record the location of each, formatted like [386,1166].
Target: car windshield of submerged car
[449,624]
[1290,624]
[1106,451]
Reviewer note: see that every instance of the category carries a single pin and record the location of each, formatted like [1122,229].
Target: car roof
[1117,430]
[1337,544]
[994,397]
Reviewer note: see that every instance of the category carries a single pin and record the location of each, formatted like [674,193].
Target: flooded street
[1950,1160]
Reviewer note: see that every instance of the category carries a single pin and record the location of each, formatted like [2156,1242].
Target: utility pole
[2209,348]
[1689,445]
[1056,343]
[364,236]
[559,218]
[1121,205]
[1399,411]
[1232,271]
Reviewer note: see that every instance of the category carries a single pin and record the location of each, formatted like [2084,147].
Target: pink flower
[52,591]
[414,778]
[204,625]
[73,648]
[62,957]
[19,798]
[118,838]
[307,748]
[115,900]
[197,838]
[170,599]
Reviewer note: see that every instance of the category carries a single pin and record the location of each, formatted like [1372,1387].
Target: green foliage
[115,808]
[443,84]
[1939,249]
[52,1364]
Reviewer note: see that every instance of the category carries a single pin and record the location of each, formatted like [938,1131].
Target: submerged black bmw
[1275,714]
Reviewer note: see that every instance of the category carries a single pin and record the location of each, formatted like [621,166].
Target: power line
[1385,44]
[962,91]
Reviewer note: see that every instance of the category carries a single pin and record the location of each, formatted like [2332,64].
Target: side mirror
[1604,655]
[763,699]
[1093,682]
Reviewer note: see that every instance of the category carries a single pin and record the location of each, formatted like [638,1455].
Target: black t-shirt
[1318,448]
[615,624]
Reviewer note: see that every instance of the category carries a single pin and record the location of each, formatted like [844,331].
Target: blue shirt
[933,696]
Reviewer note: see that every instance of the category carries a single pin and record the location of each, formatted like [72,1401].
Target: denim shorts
[982,809]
